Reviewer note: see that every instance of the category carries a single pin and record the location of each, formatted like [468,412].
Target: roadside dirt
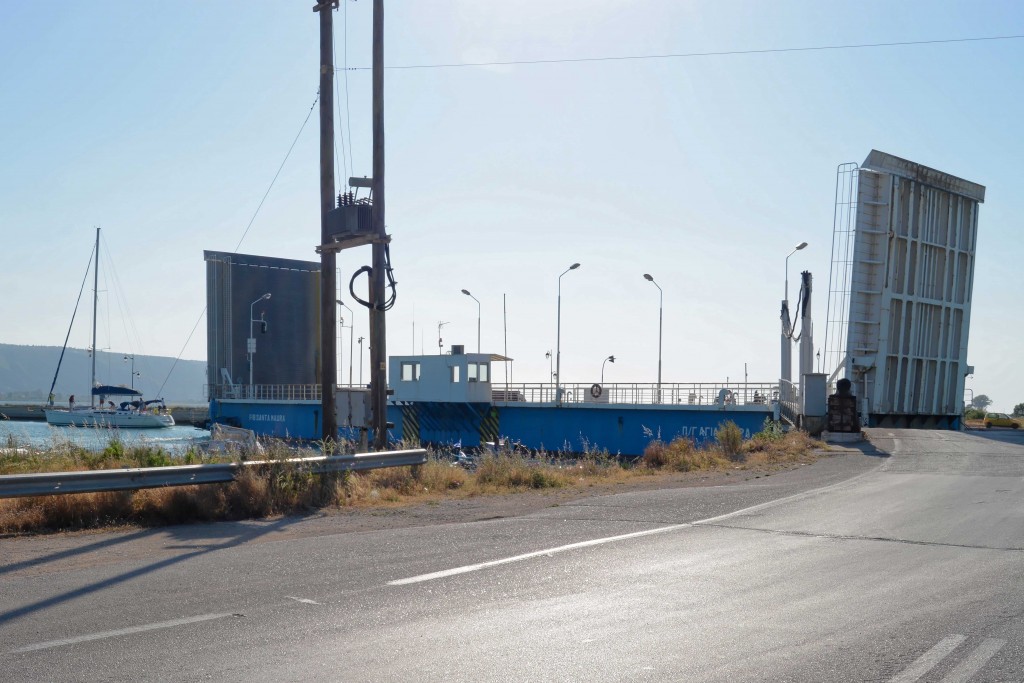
[447,510]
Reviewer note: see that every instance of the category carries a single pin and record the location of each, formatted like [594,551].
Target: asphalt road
[903,563]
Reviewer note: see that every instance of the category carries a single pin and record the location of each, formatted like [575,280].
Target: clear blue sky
[164,123]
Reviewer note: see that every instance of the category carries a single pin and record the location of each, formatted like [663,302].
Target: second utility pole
[378,329]
[328,313]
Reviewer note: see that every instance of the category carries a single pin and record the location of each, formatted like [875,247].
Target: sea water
[40,435]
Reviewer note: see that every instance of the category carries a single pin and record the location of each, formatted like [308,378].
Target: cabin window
[485,372]
[410,372]
[471,372]
[455,374]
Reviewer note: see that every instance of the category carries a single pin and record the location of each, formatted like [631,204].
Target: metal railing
[95,481]
[264,392]
[789,402]
[700,393]
[696,394]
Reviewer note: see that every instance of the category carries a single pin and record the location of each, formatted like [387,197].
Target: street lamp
[661,308]
[351,346]
[131,357]
[341,347]
[360,361]
[558,339]
[787,355]
[795,249]
[252,339]
[440,341]
[609,358]
[466,292]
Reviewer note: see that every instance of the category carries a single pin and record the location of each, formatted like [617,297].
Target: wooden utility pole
[328,312]
[378,328]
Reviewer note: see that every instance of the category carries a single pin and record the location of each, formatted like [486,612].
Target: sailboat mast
[95,302]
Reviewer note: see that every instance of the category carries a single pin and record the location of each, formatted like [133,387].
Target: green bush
[150,457]
[771,430]
[114,449]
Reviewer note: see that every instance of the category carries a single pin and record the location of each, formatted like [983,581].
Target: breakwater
[197,415]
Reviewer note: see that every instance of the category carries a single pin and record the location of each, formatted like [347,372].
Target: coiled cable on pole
[391,285]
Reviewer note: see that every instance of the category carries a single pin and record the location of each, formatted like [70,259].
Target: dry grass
[279,487]
[681,455]
[791,447]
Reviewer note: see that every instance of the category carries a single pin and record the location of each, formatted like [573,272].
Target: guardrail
[95,481]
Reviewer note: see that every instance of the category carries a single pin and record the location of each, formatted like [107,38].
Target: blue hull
[617,428]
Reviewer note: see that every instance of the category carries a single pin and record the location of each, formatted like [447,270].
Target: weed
[149,457]
[729,438]
[681,456]
[771,430]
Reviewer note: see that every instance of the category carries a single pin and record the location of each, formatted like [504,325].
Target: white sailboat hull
[93,417]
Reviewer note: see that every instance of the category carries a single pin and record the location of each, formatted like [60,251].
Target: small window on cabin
[455,374]
[410,372]
[471,372]
[485,372]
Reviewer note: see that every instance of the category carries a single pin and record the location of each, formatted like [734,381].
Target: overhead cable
[686,55]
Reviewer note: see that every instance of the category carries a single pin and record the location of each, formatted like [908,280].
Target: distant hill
[26,373]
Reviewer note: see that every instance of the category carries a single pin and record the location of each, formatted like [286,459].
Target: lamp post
[787,355]
[466,292]
[440,341]
[609,358]
[549,354]
[252,338]
[341,348]
[351,346]
[558,339]
[661,308]
[361,361]
[131,357]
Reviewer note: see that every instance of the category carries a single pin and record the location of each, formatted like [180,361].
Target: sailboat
[132,413]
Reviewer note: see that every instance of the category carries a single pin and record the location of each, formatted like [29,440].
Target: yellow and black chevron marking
[411,424]
[490,425]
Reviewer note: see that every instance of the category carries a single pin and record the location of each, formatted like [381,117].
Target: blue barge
[263,369]
[450,399]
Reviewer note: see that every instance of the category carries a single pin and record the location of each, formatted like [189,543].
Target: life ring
[595,390]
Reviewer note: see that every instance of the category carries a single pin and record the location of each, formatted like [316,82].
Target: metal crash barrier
[95,481]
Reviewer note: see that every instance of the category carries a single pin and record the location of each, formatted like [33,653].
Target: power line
[348,115]
[685,55]
[279,168]
[242,238]
[337,108]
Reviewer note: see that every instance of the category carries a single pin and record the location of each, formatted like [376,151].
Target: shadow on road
[72,552]
[243,533]
[867,448]
[1000,434]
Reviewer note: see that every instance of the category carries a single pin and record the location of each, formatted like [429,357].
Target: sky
[165,123]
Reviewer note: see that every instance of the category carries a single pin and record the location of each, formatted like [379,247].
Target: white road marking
[526,556]
[548,552]
[119,632]
[928,660]
[305,601]
[974,661]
